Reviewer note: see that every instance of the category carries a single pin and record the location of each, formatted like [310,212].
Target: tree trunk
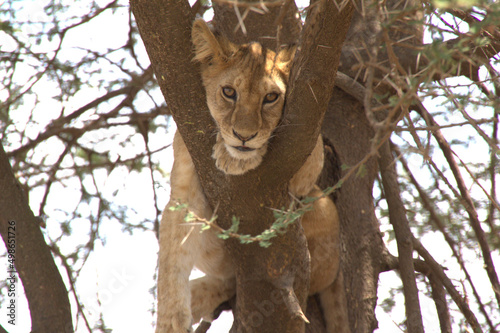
[45,290]
[364,254]
[271,283]
[346,126]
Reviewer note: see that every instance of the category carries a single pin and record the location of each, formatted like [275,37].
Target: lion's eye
[229,92]
[271,97]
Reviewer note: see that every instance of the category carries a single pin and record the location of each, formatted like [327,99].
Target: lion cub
[245,86]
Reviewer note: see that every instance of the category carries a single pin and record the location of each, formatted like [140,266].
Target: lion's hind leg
[334,305]
[207,293]
[321,226]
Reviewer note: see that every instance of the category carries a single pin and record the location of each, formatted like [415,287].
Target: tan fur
[247,122]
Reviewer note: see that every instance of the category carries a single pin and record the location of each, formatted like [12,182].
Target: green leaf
[361,171]
[223,236]
[177,207]
[265,244]
[307,200]
[190,217]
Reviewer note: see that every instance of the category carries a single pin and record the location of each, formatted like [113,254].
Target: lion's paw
[174,323]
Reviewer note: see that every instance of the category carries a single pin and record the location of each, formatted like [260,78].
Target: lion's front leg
[176,261]
[179,244]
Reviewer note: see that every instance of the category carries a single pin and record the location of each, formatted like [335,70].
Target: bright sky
[121,272]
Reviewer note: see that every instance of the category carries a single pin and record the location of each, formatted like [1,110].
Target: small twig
[57,126]
[53,171]
[469,119]
[351,86]
[393,59]
[281,16]
[368,95]
[474,178]
[69,270]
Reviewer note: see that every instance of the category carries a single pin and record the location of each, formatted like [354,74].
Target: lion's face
[245,86]
[246,101]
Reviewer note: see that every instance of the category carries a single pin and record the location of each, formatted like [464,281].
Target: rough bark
[269,281]
[45,290]
[261,28]
[258,26]
[346,126]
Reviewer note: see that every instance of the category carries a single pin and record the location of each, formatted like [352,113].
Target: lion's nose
[244,138]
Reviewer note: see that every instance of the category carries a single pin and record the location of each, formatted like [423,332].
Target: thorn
[292,303]
[263,6]
[314,95]
[257,10]
[214,214]
[336,5]
[303,317]
[187,236]
[240,24]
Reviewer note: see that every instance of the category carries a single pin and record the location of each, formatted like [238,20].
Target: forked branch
[466,201]
[455,295]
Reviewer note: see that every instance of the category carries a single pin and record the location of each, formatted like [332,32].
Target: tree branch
[313,73]
[2,330]
[69,274]
[397,216]
[47,296]
[439,296]
[437,289]
[455,295]
[493,177]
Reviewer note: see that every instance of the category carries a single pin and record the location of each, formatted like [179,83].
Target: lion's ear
[285,56]
[286,53]
[207,46]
